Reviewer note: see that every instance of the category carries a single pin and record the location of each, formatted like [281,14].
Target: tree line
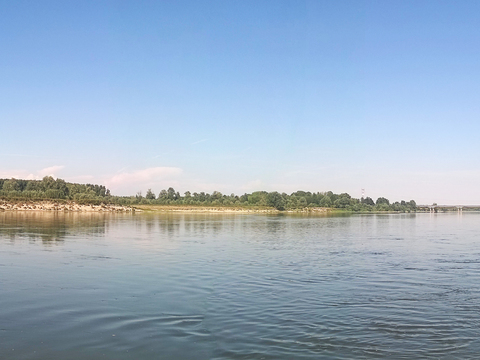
[280,201]
[57,189]
[52,189]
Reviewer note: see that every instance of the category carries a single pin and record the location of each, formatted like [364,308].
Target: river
[239,286]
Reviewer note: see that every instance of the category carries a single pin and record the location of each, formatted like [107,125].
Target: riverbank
[59,206]
[224,209]
[67,205]
[62,205]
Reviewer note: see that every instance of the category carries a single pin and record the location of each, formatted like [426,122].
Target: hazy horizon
[242,96]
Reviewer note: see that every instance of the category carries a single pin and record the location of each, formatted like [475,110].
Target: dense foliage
[280,201]
[49,188]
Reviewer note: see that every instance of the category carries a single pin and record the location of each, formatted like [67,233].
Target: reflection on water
[233,286]
[50,227]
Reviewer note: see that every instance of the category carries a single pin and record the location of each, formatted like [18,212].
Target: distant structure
[434,208]
[363,193]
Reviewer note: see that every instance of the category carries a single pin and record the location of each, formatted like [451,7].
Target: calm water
[184,286]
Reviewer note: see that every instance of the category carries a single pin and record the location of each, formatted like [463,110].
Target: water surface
[210,286]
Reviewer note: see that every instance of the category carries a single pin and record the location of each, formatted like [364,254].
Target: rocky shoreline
[59,206]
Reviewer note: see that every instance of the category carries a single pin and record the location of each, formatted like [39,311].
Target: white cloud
[128,183]
[50,171]
[16,174]
[82,179]
[255,185]
[199,141]
[24,174]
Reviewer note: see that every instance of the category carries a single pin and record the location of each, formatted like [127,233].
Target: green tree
[163,195]
[326,201]
[382,200]
[368,201]
[62,187]
[302,202]
[292,202]
[258,198]
[344,195]
[11,185]
[342,202]
[150,195]
[382,207]
[48,182]
[33,185]
[171,193]
[275,200]
[216,195]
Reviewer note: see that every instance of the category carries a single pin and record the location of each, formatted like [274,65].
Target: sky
[241,96]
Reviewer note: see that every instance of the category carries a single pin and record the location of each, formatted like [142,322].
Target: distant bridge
[459,208]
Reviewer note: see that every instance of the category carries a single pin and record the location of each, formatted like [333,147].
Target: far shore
[52,205]
[225,209]
[71,206]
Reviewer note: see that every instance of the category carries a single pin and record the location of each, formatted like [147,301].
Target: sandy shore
[59,206]
[72,206]
[223,209]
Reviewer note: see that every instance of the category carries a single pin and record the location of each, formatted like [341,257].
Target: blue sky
[239,96]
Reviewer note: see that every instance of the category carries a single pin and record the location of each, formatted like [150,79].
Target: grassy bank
[224,209]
